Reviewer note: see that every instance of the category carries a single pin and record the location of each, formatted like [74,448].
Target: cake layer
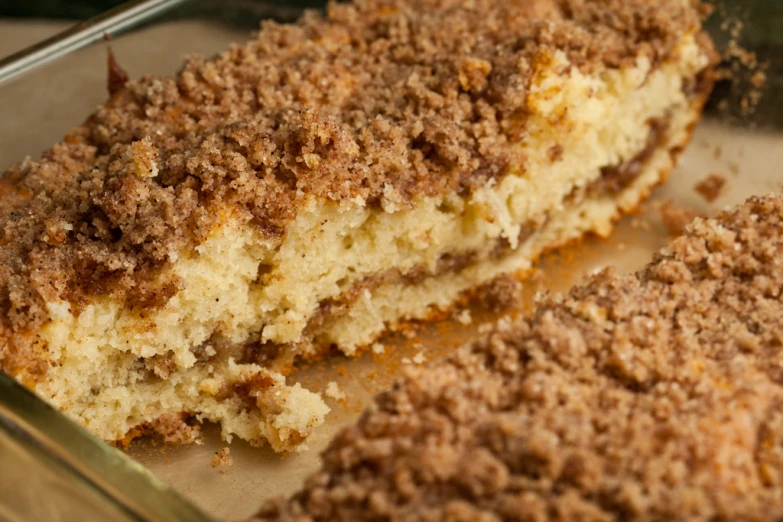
[653,396]
[183,249]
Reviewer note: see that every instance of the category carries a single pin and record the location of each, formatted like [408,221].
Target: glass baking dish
[53,470]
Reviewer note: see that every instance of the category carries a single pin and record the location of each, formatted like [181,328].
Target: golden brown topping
[655,396]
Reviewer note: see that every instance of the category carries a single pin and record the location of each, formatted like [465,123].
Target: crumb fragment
[117,77]
[711,187]
[408,331]
[464,317]
[336,124]
[378,349]
[419,358]
[675,217]
[485,328]
[742,69]
[222,458]
[333,391]
[502,293]
[504,323]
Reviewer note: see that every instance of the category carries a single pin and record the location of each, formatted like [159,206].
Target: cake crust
[375,102]
[653,396]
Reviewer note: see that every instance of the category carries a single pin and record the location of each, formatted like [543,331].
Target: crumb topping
[711,187]
[676,217]
[654,396]
[375,99]
[501,293]
[222,458]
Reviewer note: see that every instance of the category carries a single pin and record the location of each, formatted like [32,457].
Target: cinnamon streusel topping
[655,396]
[376,99]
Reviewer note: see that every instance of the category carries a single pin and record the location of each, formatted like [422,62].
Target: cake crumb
[502,293]
[503,324]
[378,349]
[222,458]
[419,358]
[153,173]
[408,332]
[333,391]
[464,317]
[406,360]
[711,187]
[485,328]
[675,217]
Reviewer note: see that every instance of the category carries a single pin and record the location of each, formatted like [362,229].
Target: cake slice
[654,396]
[176,255]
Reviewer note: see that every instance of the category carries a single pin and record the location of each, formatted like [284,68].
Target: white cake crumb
[333,391]
[222,458]
[419,358]
[378,348]
[464,317]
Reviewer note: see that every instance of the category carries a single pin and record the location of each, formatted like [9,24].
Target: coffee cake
[177,254]
[654,396]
